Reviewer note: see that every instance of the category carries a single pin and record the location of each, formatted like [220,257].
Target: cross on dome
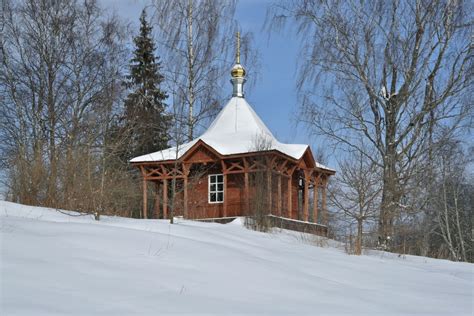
[238,73]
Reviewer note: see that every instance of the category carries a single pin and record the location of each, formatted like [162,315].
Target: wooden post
[279,195]
[269,182]
[185,197]
[224,175]
[315,198]
[323,202]
[165,198]
[224,207]
[246,187]
[289,191]
[289,196]
[157,199]
[306,195]
[145,199]
[185,189]
[269,191]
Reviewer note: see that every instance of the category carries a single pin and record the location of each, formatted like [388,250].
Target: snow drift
[58,264]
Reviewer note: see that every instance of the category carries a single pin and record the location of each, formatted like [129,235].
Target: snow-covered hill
[58,264]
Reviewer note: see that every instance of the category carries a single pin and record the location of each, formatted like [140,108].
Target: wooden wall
[198,206]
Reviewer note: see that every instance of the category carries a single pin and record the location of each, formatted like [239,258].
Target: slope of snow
[237,129]
[58,264]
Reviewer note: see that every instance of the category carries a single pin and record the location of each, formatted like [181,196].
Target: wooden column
[269,191]
[270,163]
[165,198]
[145,197]
[315,198]
[246,187]
[224,175]
[289,196]
[224,206]
[185,190]
[307,174]
[279,195]
[323,201]
[157,199]
[290,191]
[185,197]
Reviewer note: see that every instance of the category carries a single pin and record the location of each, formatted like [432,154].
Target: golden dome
[237,71]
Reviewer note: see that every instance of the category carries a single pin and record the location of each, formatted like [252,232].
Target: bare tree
[451,197]
[178,137]
[60,71]
[355,193]
[196,41]
[393,73]
[260,181]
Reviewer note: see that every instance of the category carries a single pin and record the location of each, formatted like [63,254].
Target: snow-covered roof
[236,130]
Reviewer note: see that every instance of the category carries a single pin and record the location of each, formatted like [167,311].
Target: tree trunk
[191,96]
[458,226]
[444,224]
[358,247]
[390,192]
[51,193]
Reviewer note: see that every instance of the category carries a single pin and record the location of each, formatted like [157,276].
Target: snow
[57,264]
[237,129]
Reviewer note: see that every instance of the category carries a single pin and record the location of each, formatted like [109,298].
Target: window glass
[216,188]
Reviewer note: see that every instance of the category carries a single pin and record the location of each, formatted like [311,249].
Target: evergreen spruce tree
[145,121]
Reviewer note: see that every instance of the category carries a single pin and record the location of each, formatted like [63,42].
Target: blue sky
[274,95]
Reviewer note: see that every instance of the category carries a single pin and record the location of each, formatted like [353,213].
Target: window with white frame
[216,188]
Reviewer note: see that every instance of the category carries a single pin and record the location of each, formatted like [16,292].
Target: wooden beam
[279,196]
[224,175]
[315,198]
[269,191]
[306,195]
[270,162]
[157,199]
[185,197]
[145,199]
[186,169]
[235,156]
[281,167]
[165,177]
[235,166]
[165,199]
[224,206]
[323,202]
[289,191]
[246,187]
[289,197]
[153,171]
[241,171]
[164,172]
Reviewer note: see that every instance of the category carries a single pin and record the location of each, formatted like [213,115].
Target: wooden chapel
[237,161]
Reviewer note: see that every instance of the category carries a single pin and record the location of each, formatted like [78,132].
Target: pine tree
[145,121]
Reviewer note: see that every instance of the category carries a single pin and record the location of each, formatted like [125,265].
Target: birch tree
[451,198]
[196,39]
[59,85]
